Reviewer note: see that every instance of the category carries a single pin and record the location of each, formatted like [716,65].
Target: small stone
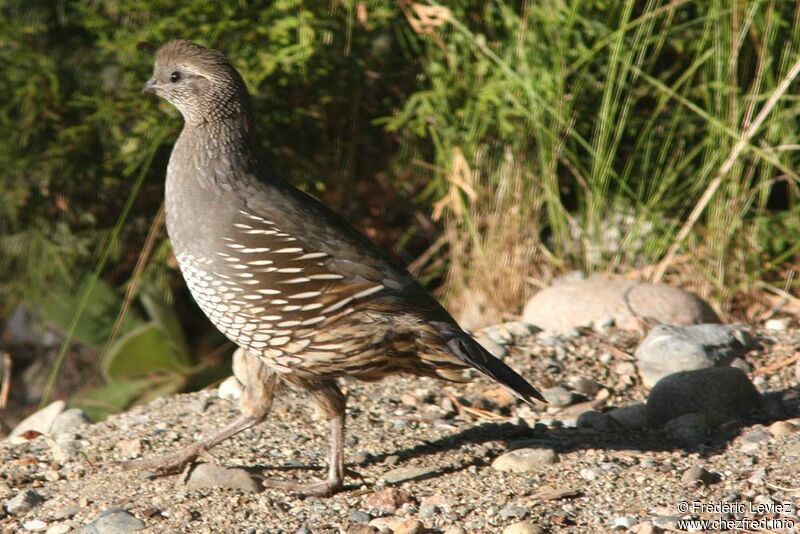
[689,429]
[71,420]
[741,363]
[34,525]
[595,420]
[40,421]
[646,527]
[586,386]
[404,474]
[625,369]
[630,417]
[215,476]
[589,474]
[409,399]
[498,351]
[23,502]
[522,527]
[783,428]
[524,460]
[130,448]
[670,349]
[357,516]
[65,447]
[388,501]
[720,393]
[558,396]
[114,521]
[605,358]
[514,512]
[408,526]
[454,530]
[667,522]
[230,388]
[358,528]
[778,324]
[500,397]
[697,474]
[61,528]
[433,504]
[66,512]
[624,522]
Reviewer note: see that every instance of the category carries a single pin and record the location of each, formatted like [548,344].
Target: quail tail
[471,352]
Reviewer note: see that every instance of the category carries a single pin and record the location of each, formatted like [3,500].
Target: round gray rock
[215,476]
[114,521]
[719,393]
[587,302]
[669,349]
[524,460]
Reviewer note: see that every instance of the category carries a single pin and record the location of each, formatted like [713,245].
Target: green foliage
[548,135]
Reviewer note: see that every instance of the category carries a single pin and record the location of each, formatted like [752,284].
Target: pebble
[783,428]
[357,516]
[630,417]
[23,502]
[40,421]
[70,420]
[645,527]
[522,527]
[454,530]
[114,521]
[586,386]
[720,393]
[778,324]
[558,396]
[387,501]
[230,388]
[625,369]
[594,420]
[403,474]
[689,429]
[696,474]
[215,476]
[524,460]
[130,448]
[34,525]
[65,447]
[66,512]
[514,512]
[670,349]
[624,522]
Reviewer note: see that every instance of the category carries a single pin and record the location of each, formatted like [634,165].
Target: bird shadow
[564,439]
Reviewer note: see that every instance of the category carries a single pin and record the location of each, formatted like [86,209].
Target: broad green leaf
[163,314]
[142,352]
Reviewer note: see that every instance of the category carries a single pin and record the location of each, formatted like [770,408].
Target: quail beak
[150,86]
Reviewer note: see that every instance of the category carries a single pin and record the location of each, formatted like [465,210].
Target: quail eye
[175,77]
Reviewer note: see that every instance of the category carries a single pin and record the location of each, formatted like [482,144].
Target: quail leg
[328,395]
[256,402]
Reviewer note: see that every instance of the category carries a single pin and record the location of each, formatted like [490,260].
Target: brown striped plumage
[307,298]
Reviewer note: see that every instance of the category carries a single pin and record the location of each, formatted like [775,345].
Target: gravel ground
[421,453]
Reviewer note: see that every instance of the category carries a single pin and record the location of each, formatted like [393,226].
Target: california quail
[306,297]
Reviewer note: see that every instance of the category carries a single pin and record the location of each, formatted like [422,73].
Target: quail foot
[306,297]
